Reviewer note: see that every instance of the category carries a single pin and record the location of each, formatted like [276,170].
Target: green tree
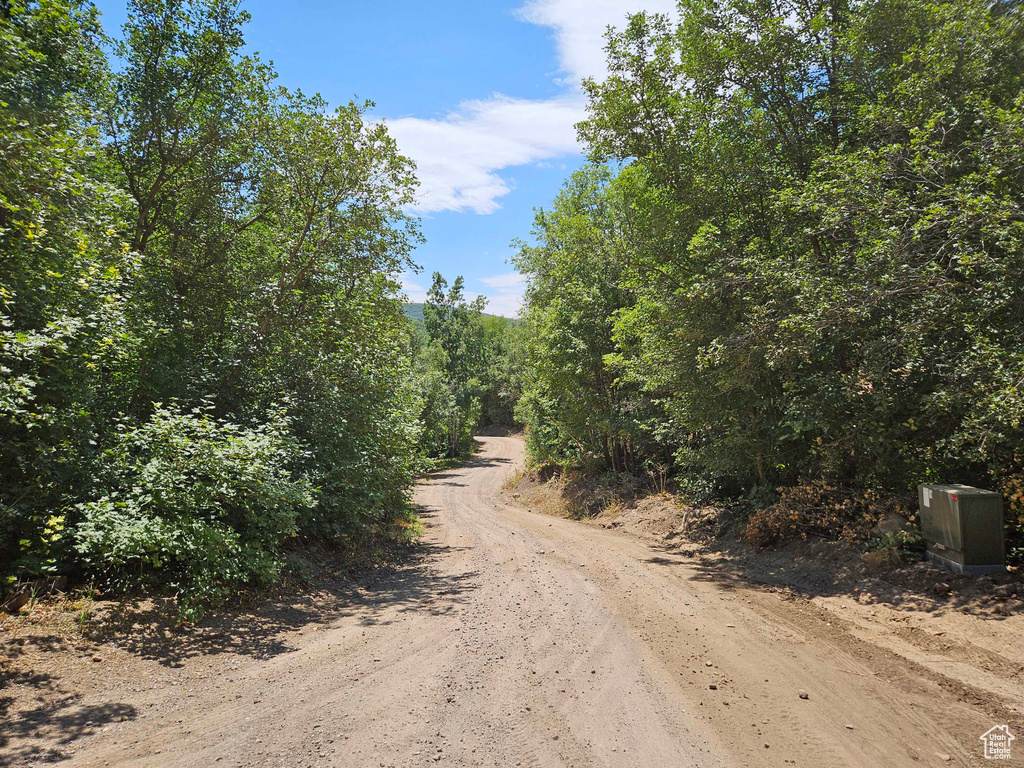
[579,410]
[501,362]
[249,268]
[63,276]
[818,231]
[829,281]
[454,326]
[271,231]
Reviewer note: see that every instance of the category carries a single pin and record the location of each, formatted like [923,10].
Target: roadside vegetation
[203,352]
[792,273]
[465,364]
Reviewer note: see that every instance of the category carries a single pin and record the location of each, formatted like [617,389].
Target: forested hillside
[414,311]
[793,271]
[202,343]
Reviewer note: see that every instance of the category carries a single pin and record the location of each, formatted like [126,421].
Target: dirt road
[518,639]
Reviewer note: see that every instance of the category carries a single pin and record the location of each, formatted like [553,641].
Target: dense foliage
[193,503]
[465,370]
[579,409]
[176,228]
[810,262]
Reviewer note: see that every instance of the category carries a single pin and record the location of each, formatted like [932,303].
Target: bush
[1011,483]
[821,507]
[199,506]
[909,544]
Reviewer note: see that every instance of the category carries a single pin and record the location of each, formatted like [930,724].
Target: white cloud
[506,306]
[506,295]
[505,282]
[580,26]
[415,292]
[458,157]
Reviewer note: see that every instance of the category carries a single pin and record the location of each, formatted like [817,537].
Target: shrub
[1011,484]
[909,544]
[820,507]
[199,506]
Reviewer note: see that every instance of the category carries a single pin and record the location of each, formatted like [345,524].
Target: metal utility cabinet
[962,527]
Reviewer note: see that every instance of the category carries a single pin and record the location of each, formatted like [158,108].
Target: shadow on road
[39,717]
[485,461]
[474,462]
[412,583]
[821,568]
[41,732]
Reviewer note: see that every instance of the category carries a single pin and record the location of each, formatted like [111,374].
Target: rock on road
[518,639]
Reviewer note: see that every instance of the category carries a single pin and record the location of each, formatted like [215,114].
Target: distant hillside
[414,311]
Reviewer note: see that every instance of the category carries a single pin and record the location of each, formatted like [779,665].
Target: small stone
[849,726]
[732,626]
[713,687]
[804,694]
[943,756]
[708,664]
[97,658]
[940,588]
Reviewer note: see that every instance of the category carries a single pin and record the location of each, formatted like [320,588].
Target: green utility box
[962,527]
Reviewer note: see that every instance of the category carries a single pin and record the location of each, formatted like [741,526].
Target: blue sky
[482,95]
